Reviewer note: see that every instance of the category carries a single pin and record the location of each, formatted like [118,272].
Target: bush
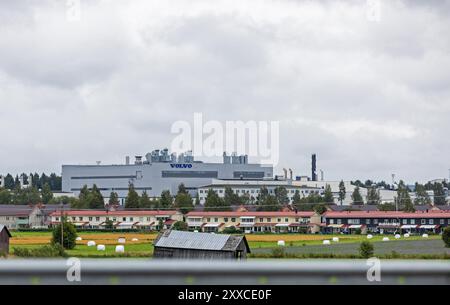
[446,237]
[180,226]
[54,250]
[366,249]
[278,252]
[231,230]
[69,237]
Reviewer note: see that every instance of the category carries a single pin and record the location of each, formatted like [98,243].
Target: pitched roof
[386,214]
[199,241]
[3,227]
[252,214]
[15,210]
[114,213]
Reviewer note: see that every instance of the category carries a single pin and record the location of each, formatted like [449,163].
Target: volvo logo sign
[182,165]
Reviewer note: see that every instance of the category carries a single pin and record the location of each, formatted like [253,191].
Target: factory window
[103,177]
[189,174]
[251,175]
[201,191]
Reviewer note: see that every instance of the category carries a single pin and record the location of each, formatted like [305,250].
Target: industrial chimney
[285,173]
[313,167]
[290,173]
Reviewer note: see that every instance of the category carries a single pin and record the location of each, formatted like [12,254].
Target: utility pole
[62,225]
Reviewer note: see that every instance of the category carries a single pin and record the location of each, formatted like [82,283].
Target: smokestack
[127,160]
[290,173]
[321,175]
[313,167]
[285,173]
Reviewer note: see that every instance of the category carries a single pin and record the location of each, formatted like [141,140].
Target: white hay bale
[120,249]
[369,236]
[385,238]
[101,248]
[281,243]
[425,235]
[78,238]
[121,240]
[326,242]
[91,243]
[406,235]
[135,239]
[336,239]
[397,236]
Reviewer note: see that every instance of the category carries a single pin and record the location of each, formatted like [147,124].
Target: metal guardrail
[253,272]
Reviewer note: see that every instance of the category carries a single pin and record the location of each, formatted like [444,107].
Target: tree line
[38,181]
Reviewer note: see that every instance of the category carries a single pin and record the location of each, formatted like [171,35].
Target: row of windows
[431,221]
[81,218]
[250,175]
[146,188]
[189,174]
[271,191]
[104,177]
[244,220]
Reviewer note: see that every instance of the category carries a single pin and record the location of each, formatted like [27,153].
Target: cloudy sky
[367,90]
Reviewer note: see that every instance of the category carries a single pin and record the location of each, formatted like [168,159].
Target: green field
[261,245]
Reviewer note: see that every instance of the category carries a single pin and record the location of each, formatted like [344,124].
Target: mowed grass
[259,243]
[143,247]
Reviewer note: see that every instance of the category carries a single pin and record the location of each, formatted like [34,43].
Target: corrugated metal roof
[191,240]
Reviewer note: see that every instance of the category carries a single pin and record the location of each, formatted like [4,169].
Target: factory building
[251,188]
[159,171]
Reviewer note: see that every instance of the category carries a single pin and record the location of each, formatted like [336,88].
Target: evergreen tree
[213,202]
[403,198]
[270,203]
[439,194]
[166,200]
[342,192]
[95,198]
[183,201]
[113,199]
[281,195]
[182,189]
[328,195]
[46,194]
[132,200]
[296,199]
[230,197]
[262,195]
[144,201]
[356,196]
[422,197]
[373,196]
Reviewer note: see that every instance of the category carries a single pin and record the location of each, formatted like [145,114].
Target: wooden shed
[190,245]
[4,239]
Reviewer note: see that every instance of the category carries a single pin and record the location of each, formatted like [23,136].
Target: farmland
[260,244]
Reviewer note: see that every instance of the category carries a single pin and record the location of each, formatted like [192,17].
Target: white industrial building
[159,171]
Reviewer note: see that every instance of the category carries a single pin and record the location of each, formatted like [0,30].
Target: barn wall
[160,252]
[4,242]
